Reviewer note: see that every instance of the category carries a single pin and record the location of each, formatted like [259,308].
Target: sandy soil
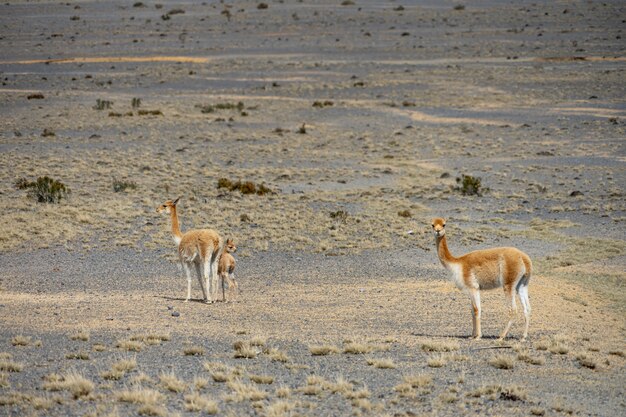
[359,118]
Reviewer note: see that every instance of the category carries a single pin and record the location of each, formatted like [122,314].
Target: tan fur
[199,248]
[226,269]
[507,268]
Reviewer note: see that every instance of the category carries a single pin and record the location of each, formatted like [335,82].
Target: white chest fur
[456,274]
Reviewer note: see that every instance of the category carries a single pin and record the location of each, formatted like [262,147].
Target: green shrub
[119,185]
[44,190]
[470,185]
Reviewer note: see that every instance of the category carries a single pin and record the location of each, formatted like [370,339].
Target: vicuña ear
[176,201]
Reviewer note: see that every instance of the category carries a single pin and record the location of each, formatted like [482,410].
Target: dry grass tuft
[129,345]
[42,403]
[340,386]
[279,409]
[502,362]
[4,380]
[381,363]
[524,356]
[82,335]
[357,348]
[262,379]
[277,355]
[494,392]
[586,361]
[219,376]
[440,346]
[82,355]
[7,365]
[151,338]
[200,382]
[323,350]
[197,402]
[20,340]
[418,381]
[171,382]
[245,392]
[193,351]
[245,350]
[437,361]
[73,382]
[98,347]
[141,396]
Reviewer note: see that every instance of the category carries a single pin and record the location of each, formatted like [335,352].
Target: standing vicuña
[507,268]
[226,269]
[200,248]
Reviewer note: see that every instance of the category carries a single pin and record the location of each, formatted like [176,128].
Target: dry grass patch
[20,340]
[311,390]
[82,355]
[277,355]
[357,348]
[524,356]
[418,381]
[494,392]
[245,392]
[151,338]
[440,346]
[245,350]
[283,392]
[73,382]
[279,409]
[219,376]
[42,403]
[141,378]
[4,380]
[323,350]
[141,396]
[586,361]
[502,362]
[200,382]
[129,345]
[98,347]
[340,386]
[197,402]
[82,336]
[171,382]
[193,351]
[119,369]
[7,365]
[381,363]
[262,379]
[437,361]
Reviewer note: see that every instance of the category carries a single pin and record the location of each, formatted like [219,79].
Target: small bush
[245,187]
[135,102]
[150,113]
[120,185]
[469,185]
[340,215]
[262,6]
[103,104]
[44,190]
[405,213]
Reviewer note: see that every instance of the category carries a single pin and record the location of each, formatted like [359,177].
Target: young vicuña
[507,268]
[199,248]
[226,269]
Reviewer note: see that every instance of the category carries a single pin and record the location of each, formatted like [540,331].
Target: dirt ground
[361,118]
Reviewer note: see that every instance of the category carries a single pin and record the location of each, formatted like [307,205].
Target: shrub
[102,104]
[246,187]
[470,185]
[44,190]
[135,102]
[119,185]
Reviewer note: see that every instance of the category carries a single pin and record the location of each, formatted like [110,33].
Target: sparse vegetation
[103,104]
[20,340]
[193,351]
[502,362]
[171,382]
[323,350]
[440,346]
[44,190]
[197,402]
[469,185]
[123,185]
[245,187]
[7,365]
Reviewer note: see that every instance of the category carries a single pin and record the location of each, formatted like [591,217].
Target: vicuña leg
[475,298]
[233,287]
[510,294]
[198,266]
[523,296]
[214,276]
[206,272]
[188,275]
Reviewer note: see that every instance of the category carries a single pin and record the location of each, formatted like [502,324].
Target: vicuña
[226,270]
[198,248]
[507,268]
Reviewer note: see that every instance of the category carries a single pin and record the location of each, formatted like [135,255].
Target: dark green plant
[102,104]
[120,185]
[470,185]
[245,187]
[44,190]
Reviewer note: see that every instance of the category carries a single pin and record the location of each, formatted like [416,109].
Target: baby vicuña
[226,269]
[198,248]
[507,268]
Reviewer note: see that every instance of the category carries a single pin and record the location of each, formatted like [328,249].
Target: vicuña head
[230,246]
[167,206]
[199,248]
[507,268]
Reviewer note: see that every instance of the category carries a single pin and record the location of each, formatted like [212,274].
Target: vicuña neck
[445,256]
[175,225]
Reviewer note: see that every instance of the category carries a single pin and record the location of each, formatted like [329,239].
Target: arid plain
[358,116]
